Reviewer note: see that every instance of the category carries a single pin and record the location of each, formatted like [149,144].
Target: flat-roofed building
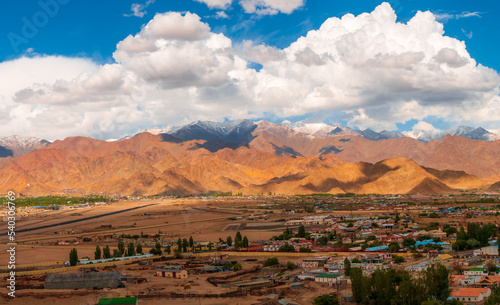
[172,273]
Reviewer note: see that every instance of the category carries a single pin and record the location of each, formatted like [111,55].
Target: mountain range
[252,158]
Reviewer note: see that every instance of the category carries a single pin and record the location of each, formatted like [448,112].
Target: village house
[328,278]
[272,248]
[317,220]
[218,257]
[489,281]
[471,295]
[464,280]
[443,258]
[172,273]
[475,271]
[294,222]
[490,251]
[313,263]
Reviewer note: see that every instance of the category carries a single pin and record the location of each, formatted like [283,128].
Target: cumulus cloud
[260,53]
[375,70]
[271,7]
[175,50]
[221,4]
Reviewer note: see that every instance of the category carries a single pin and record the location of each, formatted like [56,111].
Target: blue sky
[90,30]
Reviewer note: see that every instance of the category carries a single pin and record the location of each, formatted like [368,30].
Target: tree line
[397,287]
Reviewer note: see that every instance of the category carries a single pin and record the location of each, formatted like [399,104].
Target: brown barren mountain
[456,153]
[155,164]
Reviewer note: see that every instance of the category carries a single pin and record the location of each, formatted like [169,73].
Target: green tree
[291,266]
[245,242]
[302,231]
[473,243]
[237,267]
[238,240]
[494,298]
[459,245]
[347,267]
[73,257]
[461,234]
[272,261]
[326,299]
[229,241]
[408,242]
[210,246]
[492,268]
[286,248]
[179,244]
[191,242]
[473,230]
[411,290]
[185,244]
[305,250]
[383,287]
[398,259]
[357,283]
[436,278]
[138,249]
[106,252]
[450,230]
[121,247]
[393,246]
[156,250]
[323,240]
[97,253]
[168,249]
[130,249]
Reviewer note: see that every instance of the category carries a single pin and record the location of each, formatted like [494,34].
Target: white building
[471,295]
[490,251]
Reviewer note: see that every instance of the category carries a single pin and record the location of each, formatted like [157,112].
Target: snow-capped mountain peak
[20,141]
[20,145]
[465,131]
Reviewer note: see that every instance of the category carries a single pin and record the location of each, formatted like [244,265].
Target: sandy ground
[205,221]
[198,284]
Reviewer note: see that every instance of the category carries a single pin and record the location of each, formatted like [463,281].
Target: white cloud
[260,53]
[468,34]
[220,4]
[175,50]
[422,125]
[176,70]
[444,17]
[173,26]
[221,15]
[138,9]
[271,7]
